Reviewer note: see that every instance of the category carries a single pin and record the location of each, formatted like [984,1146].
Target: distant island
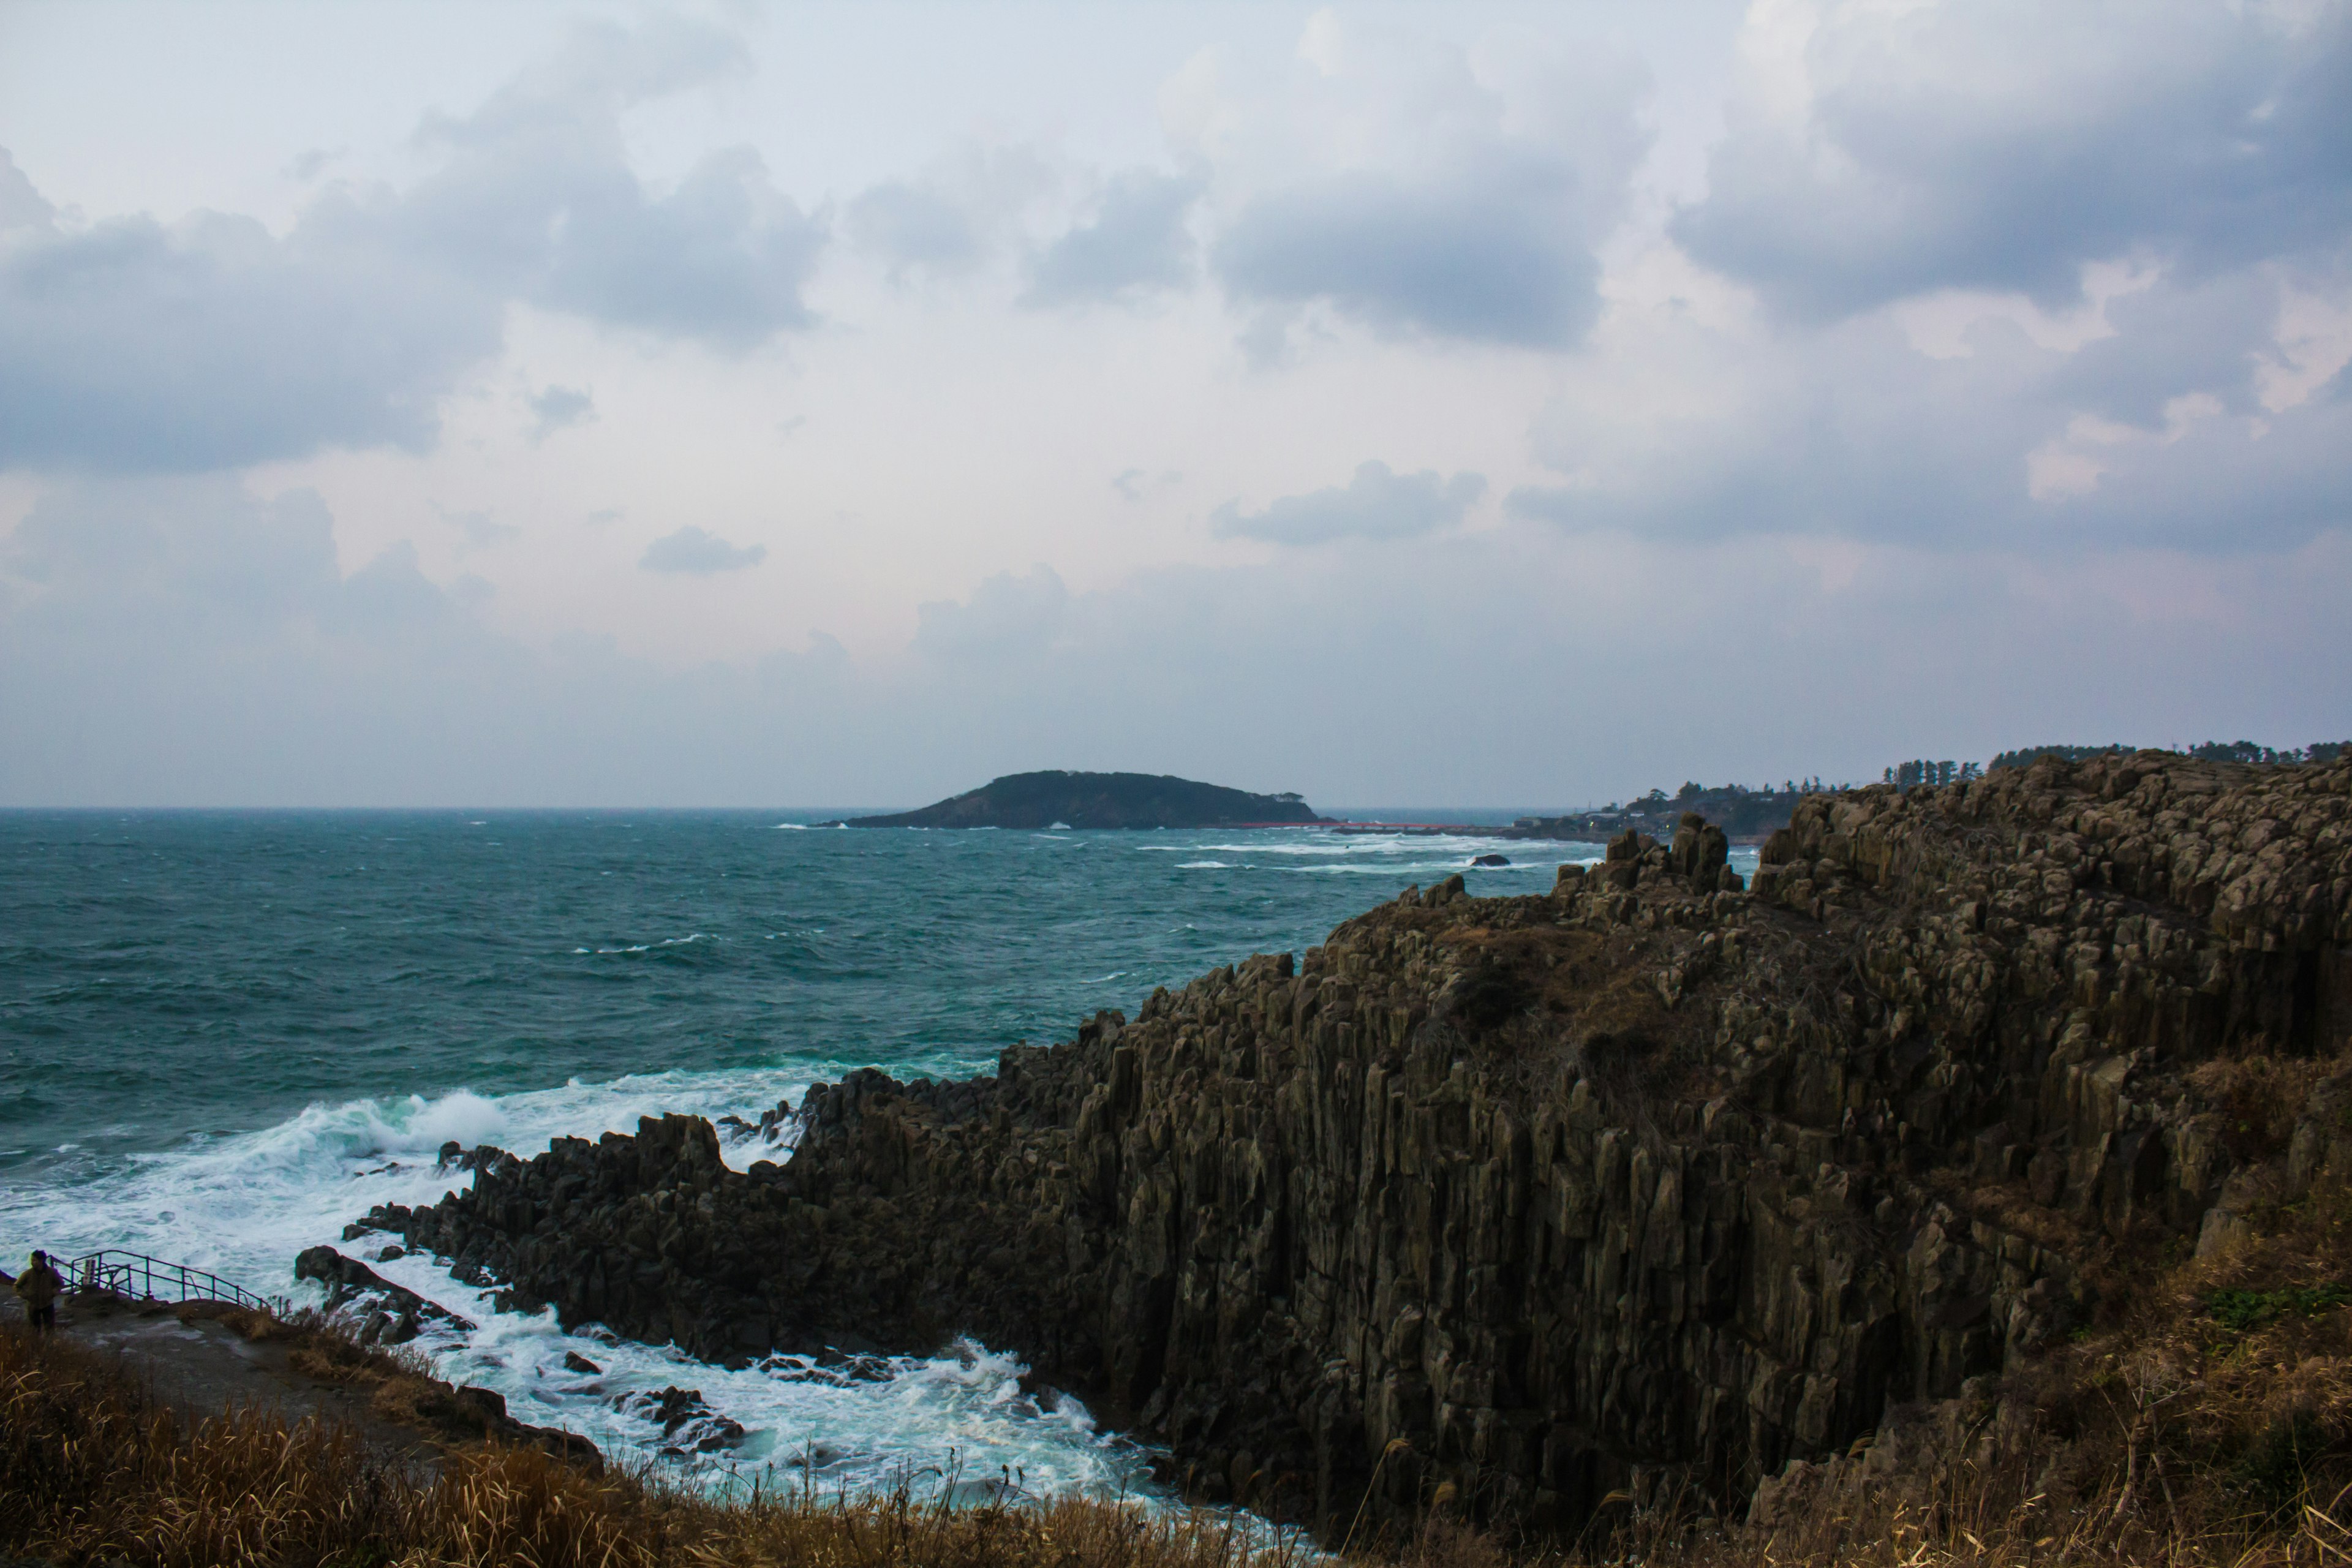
[1058,799]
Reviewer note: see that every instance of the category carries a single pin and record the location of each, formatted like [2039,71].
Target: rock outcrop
[379,1311]
[1653,1178]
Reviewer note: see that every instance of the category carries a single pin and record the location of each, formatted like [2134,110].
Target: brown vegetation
[93,1469]
[2210,1422]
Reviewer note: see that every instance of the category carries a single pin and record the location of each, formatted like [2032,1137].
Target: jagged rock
[383,1312]
[688,1425]
[574,1361]
[1648,1181]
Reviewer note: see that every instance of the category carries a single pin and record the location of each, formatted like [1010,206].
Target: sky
[1476,404]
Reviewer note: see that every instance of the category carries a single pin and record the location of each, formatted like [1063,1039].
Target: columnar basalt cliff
[1655,1176]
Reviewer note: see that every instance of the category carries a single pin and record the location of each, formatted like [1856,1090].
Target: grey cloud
[21,207]
[2002,146]
[2171,341]
[390,594]
[308,165]
[948,218]
[698,552]
[722,258]
[913,226]
[1006,616]
[1851,432]
[480,529]
[1376,504]
[1137,243]
[1137,483]
[535,198]
[557,409]
[131,345]
[207,546]
[1492,256]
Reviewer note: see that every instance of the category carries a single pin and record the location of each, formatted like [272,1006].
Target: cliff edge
[1654,1180]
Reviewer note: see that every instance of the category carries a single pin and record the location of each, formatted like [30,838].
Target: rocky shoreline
[1652,1179]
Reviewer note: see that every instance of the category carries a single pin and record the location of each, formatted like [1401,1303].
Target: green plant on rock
[2242,1311]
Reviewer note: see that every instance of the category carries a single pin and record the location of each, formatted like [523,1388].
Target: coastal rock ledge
[1654,1180]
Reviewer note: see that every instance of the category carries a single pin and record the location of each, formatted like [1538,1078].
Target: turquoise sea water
[223,1035]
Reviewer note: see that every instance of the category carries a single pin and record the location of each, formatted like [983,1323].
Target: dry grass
[93,1470]
[2209,1426]
[2260,1097]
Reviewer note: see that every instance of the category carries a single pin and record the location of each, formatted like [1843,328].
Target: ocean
[225,1035]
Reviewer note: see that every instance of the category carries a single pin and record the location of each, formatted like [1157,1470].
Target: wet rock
[382,1311]
[688,1425]
[1490,861]
[574,1361]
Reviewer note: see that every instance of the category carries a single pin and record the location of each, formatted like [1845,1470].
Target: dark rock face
[384,1313]
[1650,1178]
[688,1425]
[1100,800]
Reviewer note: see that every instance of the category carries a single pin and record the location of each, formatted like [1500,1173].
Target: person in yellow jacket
[37,1288]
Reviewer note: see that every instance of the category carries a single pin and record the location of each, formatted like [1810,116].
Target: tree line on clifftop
[1751,814]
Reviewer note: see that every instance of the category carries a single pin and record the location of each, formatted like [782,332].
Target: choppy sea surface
[225,1035]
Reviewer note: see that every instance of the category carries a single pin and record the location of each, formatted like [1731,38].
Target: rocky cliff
[1652,1178]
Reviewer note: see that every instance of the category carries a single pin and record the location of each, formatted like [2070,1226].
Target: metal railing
[145,1278]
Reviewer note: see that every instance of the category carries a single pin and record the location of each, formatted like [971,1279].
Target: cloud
[480,529]
[912,227]
[1488,261]
[948,218]
[132,346]
[1137,483]
[2152,437]
[209,548]
[1006,617]
[2000,147]
[1390,183]
[21,207]
[559,408]
[1375,504]
[536,198]
[1137,243]
[696,553]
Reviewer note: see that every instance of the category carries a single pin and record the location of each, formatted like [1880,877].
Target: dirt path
[201,1367]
